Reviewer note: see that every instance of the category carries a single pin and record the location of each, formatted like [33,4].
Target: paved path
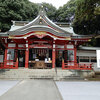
[5,85]
[33,90]
[79,90]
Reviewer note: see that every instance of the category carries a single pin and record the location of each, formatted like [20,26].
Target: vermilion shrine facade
[42,44]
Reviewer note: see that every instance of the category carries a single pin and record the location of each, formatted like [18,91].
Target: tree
[87,17]
[21,10]
[67,12]
[16,10]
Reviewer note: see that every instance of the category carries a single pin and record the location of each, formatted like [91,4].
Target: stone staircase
[26,73]
[68,75]
[96,77]
[55,74]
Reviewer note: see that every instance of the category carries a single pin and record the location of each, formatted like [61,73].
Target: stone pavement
[87,90]
[33,90]
[5,85]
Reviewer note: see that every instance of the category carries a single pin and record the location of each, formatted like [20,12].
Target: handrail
[9,64]
[1,64]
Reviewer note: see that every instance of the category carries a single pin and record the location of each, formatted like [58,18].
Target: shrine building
[41,44]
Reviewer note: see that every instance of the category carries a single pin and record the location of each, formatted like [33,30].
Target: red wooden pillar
[16,55]
[65,54]
[75,54]
[17,63]
[26,55]
[5,55]
[53,55]
[75,50]
[63,64]
[5,58]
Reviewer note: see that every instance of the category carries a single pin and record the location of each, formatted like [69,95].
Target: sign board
[60,46]
[40,46]
[11,45]
[70,46]
[98,58]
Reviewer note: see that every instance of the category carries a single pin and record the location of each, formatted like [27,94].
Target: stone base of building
[55,74]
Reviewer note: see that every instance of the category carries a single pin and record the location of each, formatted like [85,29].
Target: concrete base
[55,74]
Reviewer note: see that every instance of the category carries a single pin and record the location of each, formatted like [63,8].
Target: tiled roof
[38,28]
[3,34]
[89,48]
[45,25]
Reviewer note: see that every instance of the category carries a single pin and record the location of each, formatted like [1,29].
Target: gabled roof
[4,34]
[89,48]
[41,23]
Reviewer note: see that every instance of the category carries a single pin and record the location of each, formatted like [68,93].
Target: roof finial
[42,11]
[42,6]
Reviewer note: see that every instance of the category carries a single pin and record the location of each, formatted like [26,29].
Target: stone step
[97,76]
[71,78]
[97,73]
[41,74]
[94,79]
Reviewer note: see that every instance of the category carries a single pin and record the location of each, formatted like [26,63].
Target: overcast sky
[56,3]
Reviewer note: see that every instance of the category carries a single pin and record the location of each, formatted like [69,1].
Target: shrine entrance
[40,58]
[40,51]
[59,57]
[21,58]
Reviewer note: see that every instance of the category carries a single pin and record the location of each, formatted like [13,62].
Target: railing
[9,65]
[77,66]
[1,64]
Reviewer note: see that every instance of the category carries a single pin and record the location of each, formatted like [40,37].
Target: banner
[98,58]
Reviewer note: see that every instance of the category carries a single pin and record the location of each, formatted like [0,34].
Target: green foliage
[21,10]
[97,8]
[16,10]
[87,17]
[86,12]
[65,13]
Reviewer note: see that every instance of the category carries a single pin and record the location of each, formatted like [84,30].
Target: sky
[56,3]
